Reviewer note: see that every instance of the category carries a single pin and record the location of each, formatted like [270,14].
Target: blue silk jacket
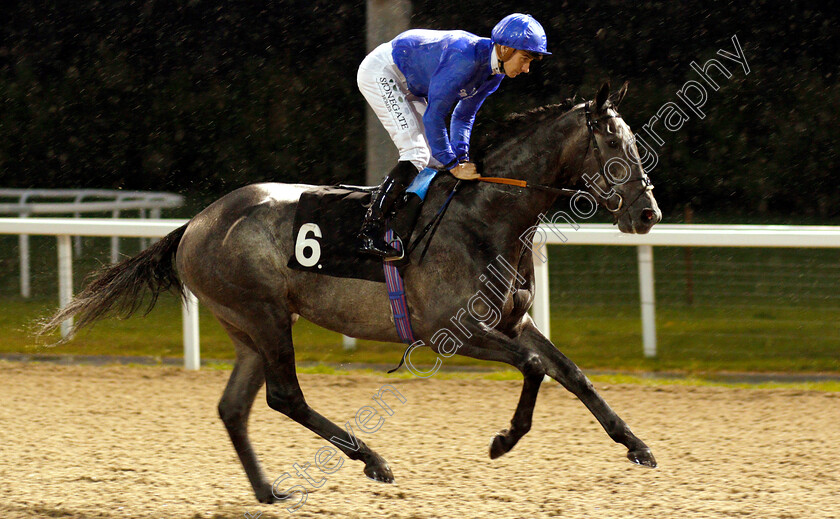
[448,68]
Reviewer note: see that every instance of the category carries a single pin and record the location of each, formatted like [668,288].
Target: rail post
[77,240]
[154,213]
[540,310]
[144,242]
[348,343]
[189,313]
[23,249]
[65,279]
[647,297]
[115,240]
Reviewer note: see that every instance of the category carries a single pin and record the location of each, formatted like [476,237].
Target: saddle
[328,219]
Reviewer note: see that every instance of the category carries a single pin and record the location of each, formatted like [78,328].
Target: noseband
[619,211]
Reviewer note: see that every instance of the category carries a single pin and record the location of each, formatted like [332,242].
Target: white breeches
[399,111]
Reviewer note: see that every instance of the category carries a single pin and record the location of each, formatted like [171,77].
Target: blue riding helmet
[520,31]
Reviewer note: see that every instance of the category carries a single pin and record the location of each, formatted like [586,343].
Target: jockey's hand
[465,171]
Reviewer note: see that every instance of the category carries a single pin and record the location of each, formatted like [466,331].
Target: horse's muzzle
[650,216]
[644,219]
[639,218]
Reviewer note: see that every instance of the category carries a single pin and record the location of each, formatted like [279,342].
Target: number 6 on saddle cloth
[328,219]
[326,224]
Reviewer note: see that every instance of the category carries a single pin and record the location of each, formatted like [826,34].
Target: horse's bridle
[619,211]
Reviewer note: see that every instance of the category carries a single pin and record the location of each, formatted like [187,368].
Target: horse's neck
[544,157]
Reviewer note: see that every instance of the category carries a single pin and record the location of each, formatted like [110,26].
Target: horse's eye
[613,143]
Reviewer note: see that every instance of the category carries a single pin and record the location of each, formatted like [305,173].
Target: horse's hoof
[499,445]
[642,457]
[269,499]
[379,471]
[266,495]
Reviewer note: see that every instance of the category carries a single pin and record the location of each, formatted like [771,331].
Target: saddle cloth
[327,220]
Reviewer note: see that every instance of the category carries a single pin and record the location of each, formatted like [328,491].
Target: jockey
[415,80]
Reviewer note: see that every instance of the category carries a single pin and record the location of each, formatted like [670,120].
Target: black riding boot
[373,229]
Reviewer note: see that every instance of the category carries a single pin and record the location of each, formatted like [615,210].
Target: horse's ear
[618,96]
[603,95]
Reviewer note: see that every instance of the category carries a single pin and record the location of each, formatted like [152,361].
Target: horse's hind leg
[235,406]
[284,395]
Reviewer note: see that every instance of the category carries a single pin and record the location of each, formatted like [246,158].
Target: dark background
[202,97]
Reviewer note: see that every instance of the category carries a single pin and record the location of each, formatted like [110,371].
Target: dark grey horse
[233,256]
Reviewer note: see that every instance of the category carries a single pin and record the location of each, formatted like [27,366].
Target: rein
[524,183]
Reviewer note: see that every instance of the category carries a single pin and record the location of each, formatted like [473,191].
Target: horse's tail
[121,288]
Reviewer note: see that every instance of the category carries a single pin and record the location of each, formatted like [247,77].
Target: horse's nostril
[648,215]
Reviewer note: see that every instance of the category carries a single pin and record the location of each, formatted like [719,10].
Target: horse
[232,256]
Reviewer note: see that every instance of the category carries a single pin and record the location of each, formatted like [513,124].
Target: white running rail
[665,235]
[589,234]
[63,228]
[28,202]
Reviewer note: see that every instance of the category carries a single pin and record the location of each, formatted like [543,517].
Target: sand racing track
[85,442]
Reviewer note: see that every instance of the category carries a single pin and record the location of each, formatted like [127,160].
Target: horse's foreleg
[563,370]
[520,424]
[488,344]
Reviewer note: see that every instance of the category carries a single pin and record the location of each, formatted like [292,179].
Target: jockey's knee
[419,158]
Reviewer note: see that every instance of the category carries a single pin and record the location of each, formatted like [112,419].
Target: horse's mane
[490,132]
